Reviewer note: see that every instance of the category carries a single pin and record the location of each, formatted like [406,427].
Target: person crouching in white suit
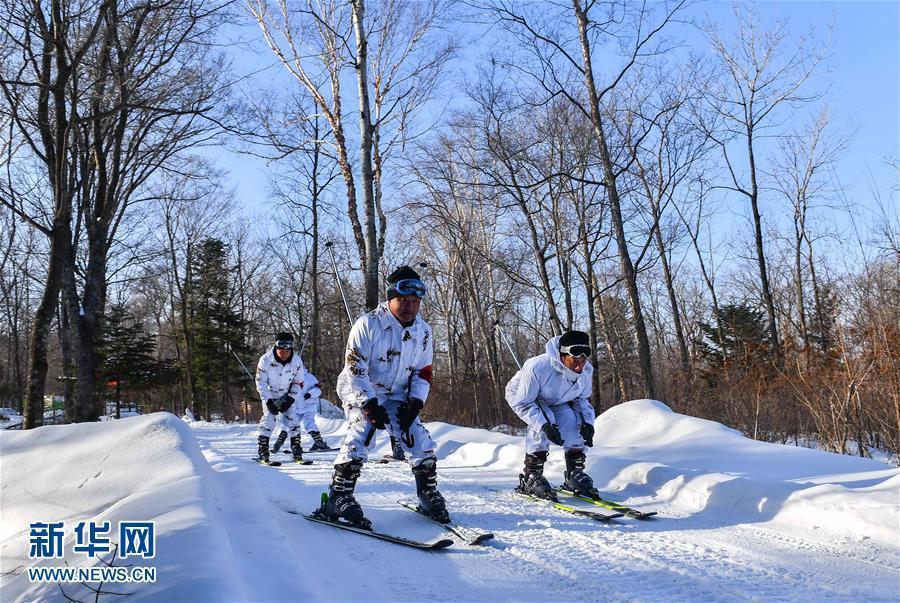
[551,393]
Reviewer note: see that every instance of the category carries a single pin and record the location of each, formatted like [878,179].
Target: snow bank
[146,468]
[228,530]
[693,466]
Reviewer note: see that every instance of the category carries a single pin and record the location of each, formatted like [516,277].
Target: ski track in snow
[539,553]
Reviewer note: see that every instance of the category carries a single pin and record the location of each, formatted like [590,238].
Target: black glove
[375,413]
[284,402]
[272,406]
[552,433]
[408,412]
[587,434]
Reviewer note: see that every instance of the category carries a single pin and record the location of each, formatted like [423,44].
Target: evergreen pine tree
[217,329]
[127,362]
[742,341]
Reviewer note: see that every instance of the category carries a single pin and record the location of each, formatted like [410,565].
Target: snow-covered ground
[739,519]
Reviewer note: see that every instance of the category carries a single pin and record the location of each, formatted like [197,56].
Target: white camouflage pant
[569,423]
[290,421]
[358,430]
[307,420]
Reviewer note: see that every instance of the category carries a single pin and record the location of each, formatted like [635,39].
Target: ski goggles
[284,344]
[576,351]
[409,286]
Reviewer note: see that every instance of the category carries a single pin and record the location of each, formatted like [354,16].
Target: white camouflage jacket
[384,359]
[274,379]
[546,380]
[312,387]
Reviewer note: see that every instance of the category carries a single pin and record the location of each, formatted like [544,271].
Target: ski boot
[318,442]
[279,441]
[296,449]
[577,480]
[397,450]
[341,503]
[263,453]
[532,480]
[430,500]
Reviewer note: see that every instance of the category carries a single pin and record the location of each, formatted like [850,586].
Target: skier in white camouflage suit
[279,381]
[384,385]
[551,393]
[312,391]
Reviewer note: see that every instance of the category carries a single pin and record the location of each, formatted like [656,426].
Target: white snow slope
[738,519]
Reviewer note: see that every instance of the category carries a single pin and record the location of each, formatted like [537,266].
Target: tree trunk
[628,271]
[87,329]
[618,376]
[43,318]
[798,289]
[68,363]
[592,313]
[314,318]
[769,303]
[370,267]
[825,339]
[673,303]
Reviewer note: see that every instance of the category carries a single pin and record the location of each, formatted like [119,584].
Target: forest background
[709,190]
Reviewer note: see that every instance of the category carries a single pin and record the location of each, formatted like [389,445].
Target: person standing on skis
[384,385]
[551,393]
[279,381]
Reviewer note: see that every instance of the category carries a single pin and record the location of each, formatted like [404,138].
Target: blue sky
[860,82]
[861,78]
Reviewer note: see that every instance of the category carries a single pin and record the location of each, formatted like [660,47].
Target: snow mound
[227,529]
[693,465]
[146,468]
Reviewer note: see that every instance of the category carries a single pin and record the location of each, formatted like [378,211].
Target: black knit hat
[401,273]
[575,338]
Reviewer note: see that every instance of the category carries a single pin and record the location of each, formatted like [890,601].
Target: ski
[573,510]
[321,450]
[279,463]
[267,463]
[470,536]
[319,517]
[609,504]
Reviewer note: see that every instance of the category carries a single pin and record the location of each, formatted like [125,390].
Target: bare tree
[315,41]
[291,136]
[664,160]
[49,46]
[801,177]
[19,273]
[152,82]
[561,60]
[759,75]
